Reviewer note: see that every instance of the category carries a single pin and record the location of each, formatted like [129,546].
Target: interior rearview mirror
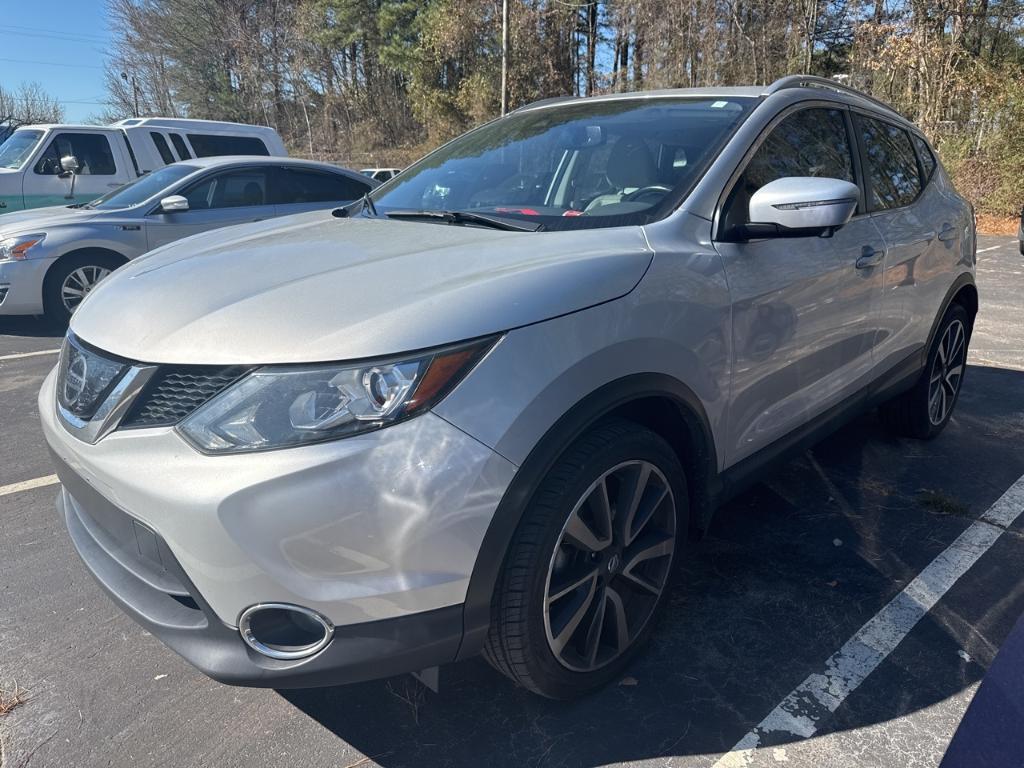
[576,136]
[801,206]
[173,204]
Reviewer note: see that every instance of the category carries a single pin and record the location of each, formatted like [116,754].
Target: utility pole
[504,56]
[135,91]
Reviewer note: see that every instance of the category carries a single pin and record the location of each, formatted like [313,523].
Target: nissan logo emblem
[74,380]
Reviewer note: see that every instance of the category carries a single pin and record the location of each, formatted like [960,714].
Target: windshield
[143,188]
[16,150]
[579,165]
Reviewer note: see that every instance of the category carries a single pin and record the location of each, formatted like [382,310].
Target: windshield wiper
[469,217]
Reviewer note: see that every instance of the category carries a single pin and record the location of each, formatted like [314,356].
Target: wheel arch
[964,292]
[75,253]
[81,252]
[656,401]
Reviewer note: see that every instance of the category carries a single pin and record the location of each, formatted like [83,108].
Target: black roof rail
[812,81]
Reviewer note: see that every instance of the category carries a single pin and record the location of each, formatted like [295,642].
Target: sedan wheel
[76,286]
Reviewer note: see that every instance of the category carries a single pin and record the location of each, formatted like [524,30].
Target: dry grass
[11,698]
[997,225]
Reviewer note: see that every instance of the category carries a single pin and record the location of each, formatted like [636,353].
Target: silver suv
[486,408]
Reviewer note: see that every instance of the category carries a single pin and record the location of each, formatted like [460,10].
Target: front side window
[578,165]
[143,188]
[301,186]
[232,189]
[892,172]
[92,150]
[18,147]
[811,142]
[213,145]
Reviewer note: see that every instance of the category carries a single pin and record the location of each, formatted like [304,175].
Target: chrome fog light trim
[278,650]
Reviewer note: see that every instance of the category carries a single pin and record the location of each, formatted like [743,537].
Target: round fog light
[283,631]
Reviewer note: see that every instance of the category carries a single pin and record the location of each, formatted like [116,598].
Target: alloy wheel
[947,372]
[610,566]
[76,286]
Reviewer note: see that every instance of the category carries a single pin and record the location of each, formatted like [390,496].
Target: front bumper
[23,281]
[379,533]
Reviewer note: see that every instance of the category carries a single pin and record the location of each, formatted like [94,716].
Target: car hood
[314,288]
[36,219]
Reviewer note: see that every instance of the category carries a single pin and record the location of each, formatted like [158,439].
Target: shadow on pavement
[786,574]
[30,326]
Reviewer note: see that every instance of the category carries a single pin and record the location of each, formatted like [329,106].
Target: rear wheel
[590,564]
[70,280]
[924,411]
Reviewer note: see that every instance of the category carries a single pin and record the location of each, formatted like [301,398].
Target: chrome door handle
[948,232]
[869,257]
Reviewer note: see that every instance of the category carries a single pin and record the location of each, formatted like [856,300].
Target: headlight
[283,406]
[18,247]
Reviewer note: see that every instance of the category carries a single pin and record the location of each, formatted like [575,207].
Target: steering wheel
[638,194]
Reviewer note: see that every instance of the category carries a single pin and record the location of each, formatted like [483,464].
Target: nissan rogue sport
[486,407]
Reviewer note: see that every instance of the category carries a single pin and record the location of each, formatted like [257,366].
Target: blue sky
[60,44]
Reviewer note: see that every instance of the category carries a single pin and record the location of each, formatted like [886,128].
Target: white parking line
[986,250]
[29,354]
[822,692]
[27,485]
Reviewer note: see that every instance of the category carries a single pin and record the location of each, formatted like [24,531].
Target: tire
[545,556]
[73,273]
[914,413]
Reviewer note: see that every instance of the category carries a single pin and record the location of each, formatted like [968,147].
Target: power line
[97,38]
[54,36]
[53,63]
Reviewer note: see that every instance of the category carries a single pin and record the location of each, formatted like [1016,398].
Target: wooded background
[380,82]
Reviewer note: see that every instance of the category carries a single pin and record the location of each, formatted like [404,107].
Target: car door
[922,228]
[219,199]
[99,170]
[310,189]
[804,319]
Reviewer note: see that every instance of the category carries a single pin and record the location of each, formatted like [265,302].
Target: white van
[67,164]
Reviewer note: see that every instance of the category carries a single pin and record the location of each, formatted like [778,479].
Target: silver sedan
[50,258]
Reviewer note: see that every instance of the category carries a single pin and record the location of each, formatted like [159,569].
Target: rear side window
[210,145]
[92,150]
[928,161]
[232,189]
[301,186]
[892,171]
[811,142]
[161,146]
[179,146]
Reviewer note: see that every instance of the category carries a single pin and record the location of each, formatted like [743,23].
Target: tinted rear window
[892,165]
[179,146]
[210,145]
[161,147]
[928,161]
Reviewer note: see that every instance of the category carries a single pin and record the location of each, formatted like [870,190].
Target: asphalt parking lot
[781,588]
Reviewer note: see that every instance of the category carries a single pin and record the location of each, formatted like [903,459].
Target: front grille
[176,391]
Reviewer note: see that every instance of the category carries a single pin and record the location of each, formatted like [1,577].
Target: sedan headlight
[17,248]
[283,406]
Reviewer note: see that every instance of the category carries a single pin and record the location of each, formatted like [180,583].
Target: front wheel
[590,564]
[924,411]
[70,280]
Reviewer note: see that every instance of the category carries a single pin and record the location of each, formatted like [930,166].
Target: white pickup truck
[35,169]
